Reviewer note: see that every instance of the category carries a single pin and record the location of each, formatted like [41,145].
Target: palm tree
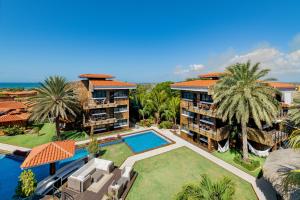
[56,100]
[144,105]
[157,103]
[208,190]
[243,94]
[172,109]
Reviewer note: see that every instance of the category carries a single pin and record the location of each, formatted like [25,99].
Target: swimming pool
[145,141]
[10,171]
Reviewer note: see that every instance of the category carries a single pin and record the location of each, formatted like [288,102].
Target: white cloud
[189,71]
[295,43]
[272,58]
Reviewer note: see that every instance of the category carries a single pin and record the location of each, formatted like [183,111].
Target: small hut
[279,163]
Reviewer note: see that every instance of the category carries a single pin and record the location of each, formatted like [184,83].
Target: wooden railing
[269,138]
[94,104]
[100,122]
[218,134]
[200,108]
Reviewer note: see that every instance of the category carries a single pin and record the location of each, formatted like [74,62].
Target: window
[187,113]
[121,93]
[205,97]
[121,109]
[206,119]
[187,95]
[99,94]
[121,122]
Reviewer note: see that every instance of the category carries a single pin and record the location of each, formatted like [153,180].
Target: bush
[165,125]
[146,122]
[93,147]
[251,165]
[13,130]
[26,185]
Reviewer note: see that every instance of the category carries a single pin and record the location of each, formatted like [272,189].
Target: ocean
[19,85]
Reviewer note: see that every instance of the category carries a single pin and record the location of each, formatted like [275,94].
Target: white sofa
[81,179]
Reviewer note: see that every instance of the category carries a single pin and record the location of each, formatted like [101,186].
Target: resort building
[22,95]
[199,123]
[105,102]
[13,113]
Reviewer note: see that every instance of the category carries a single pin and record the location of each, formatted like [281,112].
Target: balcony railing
[98,103]
[269,138]
[102,121]
[216,134]
[201,108]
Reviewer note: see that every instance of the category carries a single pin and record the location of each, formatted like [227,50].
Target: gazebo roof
[49,153]
[277,164]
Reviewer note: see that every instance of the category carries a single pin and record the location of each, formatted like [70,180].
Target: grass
[117,153]
[162,176]
[229,155]
[45,135]
[74,135]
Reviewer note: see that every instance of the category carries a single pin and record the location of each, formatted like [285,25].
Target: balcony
[269,138]
[120,102]
[100,121]
[203,108]
[98,103]
[217,135]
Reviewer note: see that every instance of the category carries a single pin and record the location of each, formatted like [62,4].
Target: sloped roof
[14,118]
[282,85]
[211,75]
[95,76]
[16,93]
[12,105]
[49,153]
[195,84]
[111,83]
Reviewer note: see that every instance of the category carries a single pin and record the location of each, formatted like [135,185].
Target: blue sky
[146,41]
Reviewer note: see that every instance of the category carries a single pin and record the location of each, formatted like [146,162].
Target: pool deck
[12,148]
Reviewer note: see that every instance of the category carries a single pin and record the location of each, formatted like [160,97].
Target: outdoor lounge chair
[127,173]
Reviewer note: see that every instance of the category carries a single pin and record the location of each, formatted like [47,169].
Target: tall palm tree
[144,105]
[208,190]
[157,103]
[172,109]
[243,94]
[56,100]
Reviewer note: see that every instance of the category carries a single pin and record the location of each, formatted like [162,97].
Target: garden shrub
[165,125]
[147,122]
[93,147]
[13,130]
[26,185]
[251,165]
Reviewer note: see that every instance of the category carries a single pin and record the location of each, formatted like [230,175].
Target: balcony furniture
[81,179]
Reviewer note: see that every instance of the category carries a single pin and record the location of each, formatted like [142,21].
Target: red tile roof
[49,153]
[12,105]
[195,84]
[111,83]
[17,93]
[281,85]
[14,118]
[96,76]
[212,75]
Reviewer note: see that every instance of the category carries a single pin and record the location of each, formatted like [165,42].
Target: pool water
[10,171]
[144,141]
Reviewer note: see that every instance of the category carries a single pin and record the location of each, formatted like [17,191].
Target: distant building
[105,102]
[17,95]
[13,113]
[199,123]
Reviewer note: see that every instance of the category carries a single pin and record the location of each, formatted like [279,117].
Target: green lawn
[117,153]
[46,134]
[31,140]
[229,155]
[162,176]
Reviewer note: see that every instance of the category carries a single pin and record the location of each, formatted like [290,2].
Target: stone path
[267,194]
[12,148]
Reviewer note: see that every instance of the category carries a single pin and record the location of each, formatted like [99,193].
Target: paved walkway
[256,184]
[12,148]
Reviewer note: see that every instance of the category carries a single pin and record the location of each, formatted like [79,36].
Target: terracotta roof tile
[111,83]
[281,85]
[16,93]
[212,75]
[95,76]
[195,84]
[14,118]
[12,105]
[49,153]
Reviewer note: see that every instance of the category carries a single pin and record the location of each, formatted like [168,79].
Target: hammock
[259,153]
[224,148]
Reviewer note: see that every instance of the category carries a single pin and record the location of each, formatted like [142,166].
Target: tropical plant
[172,109]
[26,185]
[56,100]
[93,147]
[243,94]
[157,103]
[13,130]
[208,190]
[294,112]
[144,106]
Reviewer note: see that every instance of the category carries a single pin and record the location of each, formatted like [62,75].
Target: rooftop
[282,85]
[194,84]
[12,105]
[14,118]
[17,93]
[49,153]
[96,76]
[111,83]
[212,75]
